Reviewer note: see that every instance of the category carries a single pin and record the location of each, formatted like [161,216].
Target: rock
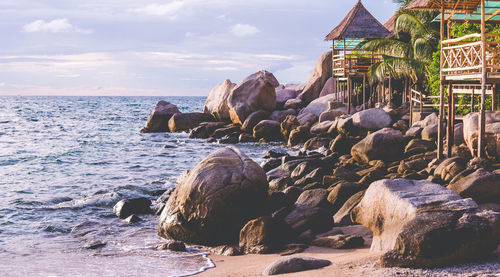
[177,246]
[430,133]
[418,146]
[186,121]
[298,135]
[450,168]
[281,115]
[371,119]
[343,216]
[284,95]
[414,132]
[492,141]
[293,248]
[94,244]
[458,134]
[314,198]
[321,73]
[385,144]
[318,106]
[321,127]
[127,207]
[246,138]
[280,184]
[342,192]
[482,186]
[226,250]
[268,129]
[253,119]
[205,130]
[229,140]
[133,219]
[216,103]
[290,123]
[158,120]
[352,230]
[328,88]
[304,218]
[429,120]
[215,199]
[293,193]
[330,115]
[294,264]
[431,226]
[344,125]
[254,93]
[340,242]
[271,164]
[226,130]
[317,143]
[264,235]
[293,104]
[307,120]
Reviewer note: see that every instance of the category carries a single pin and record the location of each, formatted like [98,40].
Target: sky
[162,47]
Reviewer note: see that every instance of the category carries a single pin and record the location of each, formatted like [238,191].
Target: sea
[66,161]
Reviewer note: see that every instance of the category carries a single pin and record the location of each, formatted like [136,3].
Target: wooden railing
[353,63]
[462,56]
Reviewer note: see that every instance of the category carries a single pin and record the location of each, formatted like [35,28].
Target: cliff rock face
[215,199]
[255,92]
[422,224]
[216,103]
[321,73]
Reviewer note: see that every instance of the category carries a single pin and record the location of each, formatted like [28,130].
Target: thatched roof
[359,23]
[449,5]
[389,25]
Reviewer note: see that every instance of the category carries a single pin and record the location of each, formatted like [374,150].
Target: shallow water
[66,161]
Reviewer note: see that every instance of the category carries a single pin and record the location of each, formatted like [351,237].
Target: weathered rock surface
[127,207]
[471,127]
[283,95]
[216,103]
[422,224]
[281,115]
[328,88]
[185,121]
[253,119]
[482,186]
[343,216]
[264,235]
[371,119]
[293,104]
[385,144]
[294,264]
[342,192]
[314,198]
[158,120]
[321,73]
[340,242]
[319,105]
[215,199]
[256,92]
[268,129]
[304,218]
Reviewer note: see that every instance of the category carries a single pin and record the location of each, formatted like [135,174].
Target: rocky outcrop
[339,242]
[328,88]
[158,120]
[371,119]
[256,92]
[186,121]
[283,95]
[422,224]
[294,264]
[264,235]
[215,199]
[482,186]
[216,103]
[321,73]
[386,145]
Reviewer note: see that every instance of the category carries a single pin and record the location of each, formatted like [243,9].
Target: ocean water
[65,162]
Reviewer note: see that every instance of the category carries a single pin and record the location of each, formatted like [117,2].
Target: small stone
[294,264]
[133,219]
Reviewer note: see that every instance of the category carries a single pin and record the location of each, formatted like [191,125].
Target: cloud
[243,30]
[170,9]
[2,84]
[60,25]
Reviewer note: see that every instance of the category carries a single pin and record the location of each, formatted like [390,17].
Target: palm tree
[408,53]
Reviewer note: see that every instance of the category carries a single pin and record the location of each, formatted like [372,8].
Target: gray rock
[385,145]
[482,186]
[185,121]
[340,242]
[264,235]
[294,264]
[253,119]
[314,198]
[216,103]
[127,207]
[158,120]
[371,119]
[321,73]
[269,130]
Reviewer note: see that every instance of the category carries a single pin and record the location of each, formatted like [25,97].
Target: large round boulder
[264,235]
[318,106]
[386,145]
[186,121]
[158,120]
[371,119]
[215,199]
[269,130]
[216,103]
[256,92]
[321,73]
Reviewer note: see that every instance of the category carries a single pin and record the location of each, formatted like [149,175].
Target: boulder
[294,264]
[414,132]
[330,115]
[431,119]
[293,104]
[371,119]
[304,218]
[321,73]
[430,133]
[328,88]
[205,130]
[186,121]
[215,199]
[255,93]
[458,134]
[343,216]
[127,207]
[158,120]
[317,143]
[253,119]
[482,186]
[314,198]
[283,95]
[422,224]
[340,145]
[321,127]
[318,106]
[307,119]
[298,135]
[281,115]
[264,75]
[290,123]
[471,127]
[385,144]
[269,130]
[339,195]
[418,146]
[264,235]
[216,103]
[339,242]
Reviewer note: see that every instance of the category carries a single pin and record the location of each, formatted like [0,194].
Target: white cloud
[60,25]
[170,9]
[243,30]
[2,84]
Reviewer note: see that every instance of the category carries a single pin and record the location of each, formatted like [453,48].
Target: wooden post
[383,91]
[349,87]
[482,119]
[421,102]
[364,91]
[449,126]
[411,107]
[494,97]
[453,117]
[441,95]
[472,100]
[390,89]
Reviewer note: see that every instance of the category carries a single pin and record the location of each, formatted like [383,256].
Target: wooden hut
[349,64]
[469,60]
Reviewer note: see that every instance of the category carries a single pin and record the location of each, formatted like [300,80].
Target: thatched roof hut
[453,5]
[389,25]
[358,24]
